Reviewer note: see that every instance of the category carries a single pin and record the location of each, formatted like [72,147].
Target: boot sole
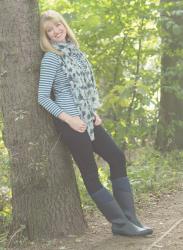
[130,235]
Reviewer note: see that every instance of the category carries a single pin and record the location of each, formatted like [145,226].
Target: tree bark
[45,197]
[170,127]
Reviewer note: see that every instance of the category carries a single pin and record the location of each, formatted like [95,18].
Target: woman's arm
[49,66]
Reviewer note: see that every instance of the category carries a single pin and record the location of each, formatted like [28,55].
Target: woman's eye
[49,30]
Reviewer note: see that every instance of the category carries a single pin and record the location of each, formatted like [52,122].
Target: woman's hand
[74,122]
[77,124]
[98,120]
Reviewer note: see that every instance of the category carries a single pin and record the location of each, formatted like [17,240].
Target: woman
[66,71]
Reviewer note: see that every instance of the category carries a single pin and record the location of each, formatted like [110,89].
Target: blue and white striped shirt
[52,76]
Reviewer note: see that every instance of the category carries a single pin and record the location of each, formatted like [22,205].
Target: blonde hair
[45,42]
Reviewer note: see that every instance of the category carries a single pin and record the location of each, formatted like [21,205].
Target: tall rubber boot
[113,213]
[123,194]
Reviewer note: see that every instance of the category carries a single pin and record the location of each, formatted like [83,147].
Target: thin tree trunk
[45,197]
[170,127]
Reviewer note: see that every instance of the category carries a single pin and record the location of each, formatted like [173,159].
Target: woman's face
[56,32]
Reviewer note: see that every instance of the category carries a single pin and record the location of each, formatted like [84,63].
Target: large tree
[45,197]
[170,128]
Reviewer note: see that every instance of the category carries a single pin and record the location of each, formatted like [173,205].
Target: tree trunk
[170,127]
[45,197]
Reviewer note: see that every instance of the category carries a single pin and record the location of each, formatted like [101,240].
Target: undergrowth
[149,171]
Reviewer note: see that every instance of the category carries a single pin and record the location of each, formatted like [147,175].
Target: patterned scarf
[82,82]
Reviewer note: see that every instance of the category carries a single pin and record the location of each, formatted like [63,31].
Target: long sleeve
[48,70]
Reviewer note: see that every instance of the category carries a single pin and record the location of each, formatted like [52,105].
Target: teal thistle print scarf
[83,86]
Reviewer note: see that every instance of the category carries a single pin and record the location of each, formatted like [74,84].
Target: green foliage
[155,172]
[3,240]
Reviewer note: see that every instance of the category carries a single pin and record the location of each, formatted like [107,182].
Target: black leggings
[82,148]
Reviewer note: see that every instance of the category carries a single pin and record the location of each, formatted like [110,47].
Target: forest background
[135,48]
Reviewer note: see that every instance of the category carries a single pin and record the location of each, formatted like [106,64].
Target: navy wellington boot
[114,214]
[123,194]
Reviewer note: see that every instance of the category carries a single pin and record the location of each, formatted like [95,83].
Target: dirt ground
[164,215]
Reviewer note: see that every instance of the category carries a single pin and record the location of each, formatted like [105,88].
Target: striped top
[53,77]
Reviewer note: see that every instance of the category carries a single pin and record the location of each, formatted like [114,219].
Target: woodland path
[164,215]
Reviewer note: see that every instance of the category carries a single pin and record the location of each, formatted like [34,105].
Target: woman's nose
[56,30]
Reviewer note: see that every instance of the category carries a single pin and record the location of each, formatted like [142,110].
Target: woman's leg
[108,150]
[81,149]
[104,146]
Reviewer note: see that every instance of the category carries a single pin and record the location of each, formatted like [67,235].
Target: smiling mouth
[59,35]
